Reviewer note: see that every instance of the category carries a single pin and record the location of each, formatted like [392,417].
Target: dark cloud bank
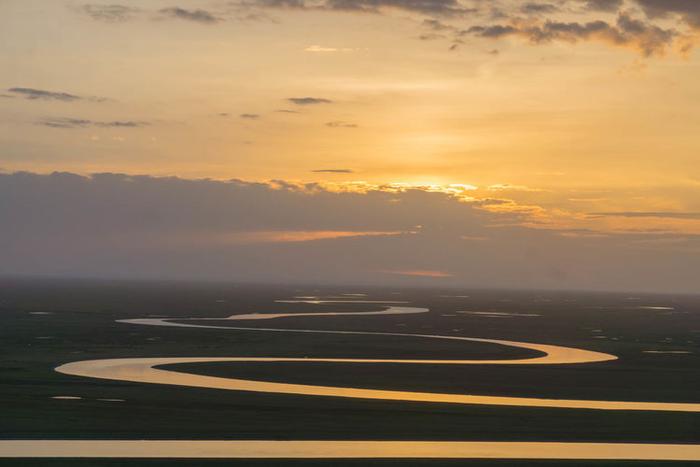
[112,225]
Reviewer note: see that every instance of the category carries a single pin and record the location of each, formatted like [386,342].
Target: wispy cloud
[198,15]
[110,13]
[341,124]
[426,7]
[603,5]
[309,100]
[65,122]
[333,171]
[69,123]
[250,116]
[293,236]
[535,8]
[116,13]
[321,49]
[509,187]
[658,214]
[431,36]
[42,94]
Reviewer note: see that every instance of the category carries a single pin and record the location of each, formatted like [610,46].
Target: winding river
[147,370]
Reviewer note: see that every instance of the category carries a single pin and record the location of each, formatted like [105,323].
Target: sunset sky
[565,129]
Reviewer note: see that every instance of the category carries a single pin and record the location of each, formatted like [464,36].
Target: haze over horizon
[547,144]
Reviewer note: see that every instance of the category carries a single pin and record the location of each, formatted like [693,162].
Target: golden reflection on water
[143,370]
[348,449]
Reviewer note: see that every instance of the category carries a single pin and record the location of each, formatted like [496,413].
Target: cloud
[308,100]
[65,122]
[436,25]
[197,15]
[250,116]
[557,19]
[546,22]
[282,4]
[658,214]
[121,124]
[492,31]
[626,32]
[41,94]
[116,13]
[533,8]
[433,7]
[431,36]
[688,9]
[287,111]
[557,22]
[110,13]
[428,7]
[292,236]
[69,123]
[603,5]
[333,171]
[115,225]
[340,124]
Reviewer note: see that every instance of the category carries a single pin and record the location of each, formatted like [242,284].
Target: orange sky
[578,116]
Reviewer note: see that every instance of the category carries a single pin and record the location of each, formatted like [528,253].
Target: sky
[467,143]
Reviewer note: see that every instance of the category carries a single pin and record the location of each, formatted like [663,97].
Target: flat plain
[49,323]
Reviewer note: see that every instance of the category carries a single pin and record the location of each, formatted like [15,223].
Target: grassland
[47,323]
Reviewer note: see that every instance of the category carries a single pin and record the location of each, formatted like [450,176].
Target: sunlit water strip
[197,449]
[142,370]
